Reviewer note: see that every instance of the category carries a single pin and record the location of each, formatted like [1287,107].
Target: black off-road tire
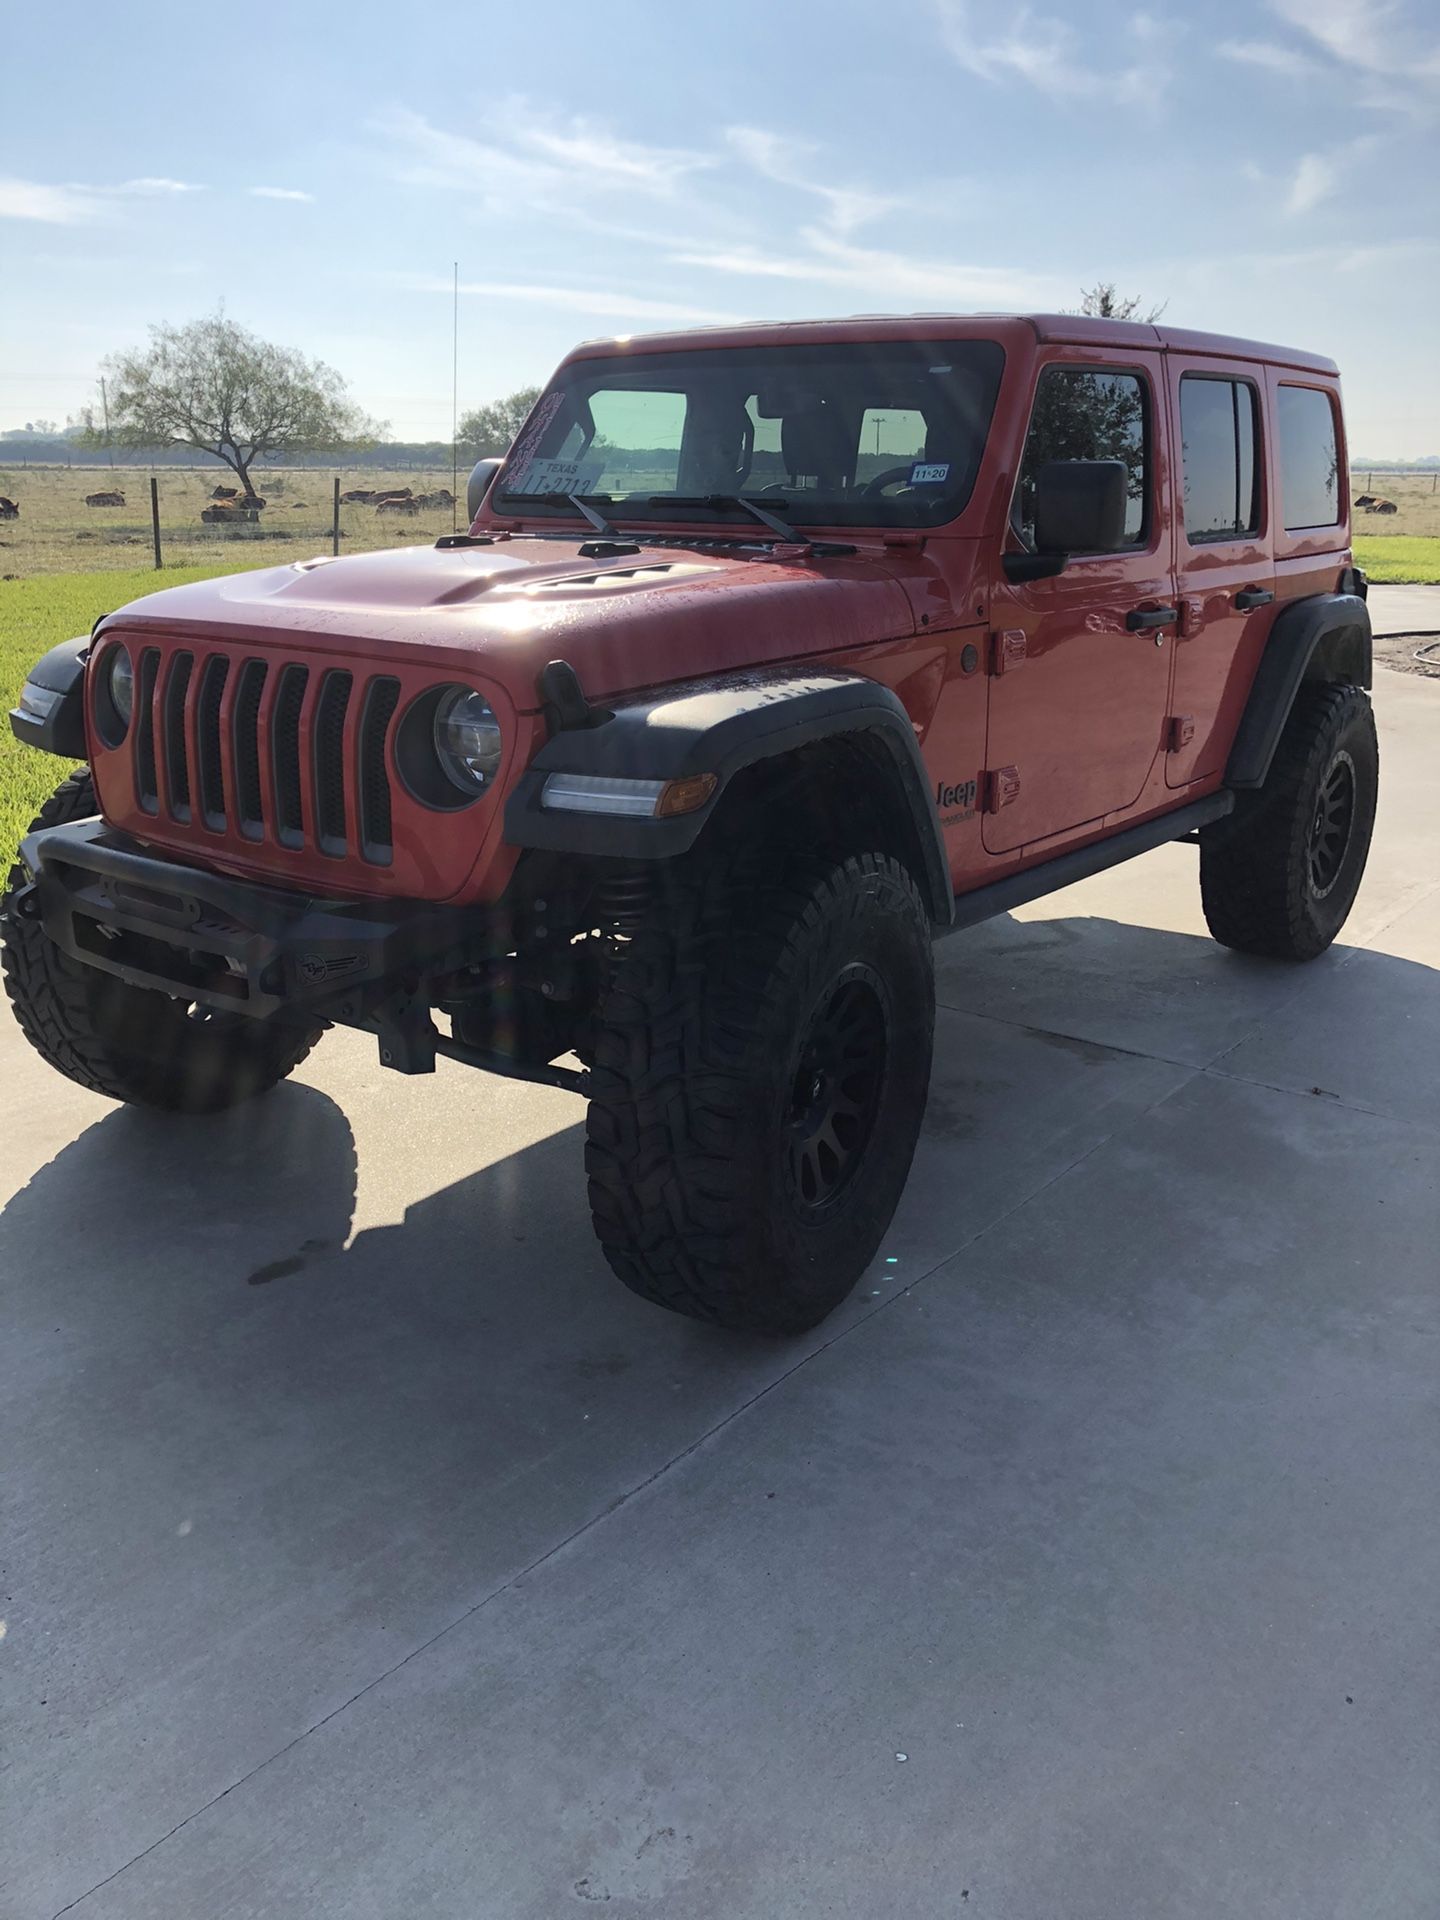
[761,1063]
[128,1042]
[1280,875]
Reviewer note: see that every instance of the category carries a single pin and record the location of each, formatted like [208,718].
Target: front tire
[762,1060]
[127,1042]
[1280,875]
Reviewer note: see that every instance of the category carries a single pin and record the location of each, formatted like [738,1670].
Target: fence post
[335,519]
[155,518]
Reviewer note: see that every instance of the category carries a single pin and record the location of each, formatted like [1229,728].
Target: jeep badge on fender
[644,786]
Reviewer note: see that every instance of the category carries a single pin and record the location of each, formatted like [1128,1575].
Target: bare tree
[214,387]
[490,429]
[1102,302]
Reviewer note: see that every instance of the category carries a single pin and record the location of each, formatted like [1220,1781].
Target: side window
[1309,458]
[1217,450]
[1084,413]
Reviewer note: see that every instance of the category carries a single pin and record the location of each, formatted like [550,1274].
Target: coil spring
[623,899]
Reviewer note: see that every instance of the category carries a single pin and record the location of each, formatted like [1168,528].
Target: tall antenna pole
[105,403]
[455,403]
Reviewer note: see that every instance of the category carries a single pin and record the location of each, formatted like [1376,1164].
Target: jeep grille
[258,747]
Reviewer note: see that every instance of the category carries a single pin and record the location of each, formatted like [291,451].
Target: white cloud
[150,185]
[786,162]
[532,160]
[279,193]
[1375,38]
[1266,53]
[604,302]
[882,276]
[32,200]
[1048,54]
[1316,178]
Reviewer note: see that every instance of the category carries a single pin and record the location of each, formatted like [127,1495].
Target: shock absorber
[622,899]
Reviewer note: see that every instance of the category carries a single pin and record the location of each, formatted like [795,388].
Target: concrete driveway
[371,1555]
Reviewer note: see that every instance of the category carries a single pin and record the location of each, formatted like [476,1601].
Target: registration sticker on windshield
[930,474]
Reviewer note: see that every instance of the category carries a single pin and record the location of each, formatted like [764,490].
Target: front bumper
[230,944]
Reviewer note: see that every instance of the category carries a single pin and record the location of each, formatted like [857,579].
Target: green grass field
[1399,559]
[34,614]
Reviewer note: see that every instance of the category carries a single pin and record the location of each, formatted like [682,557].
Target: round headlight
[120,685]
[467,740]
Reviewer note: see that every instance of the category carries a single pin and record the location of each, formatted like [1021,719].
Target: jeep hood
[502,611]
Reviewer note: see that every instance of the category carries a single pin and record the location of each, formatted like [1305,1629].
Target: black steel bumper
[228,943]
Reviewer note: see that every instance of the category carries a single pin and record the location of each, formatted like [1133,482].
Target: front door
[1080,663]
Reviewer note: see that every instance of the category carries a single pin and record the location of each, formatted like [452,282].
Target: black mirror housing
[1080,506]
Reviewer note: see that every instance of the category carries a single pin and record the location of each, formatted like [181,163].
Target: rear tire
[1280,875]
[762,1060]
[127,1042]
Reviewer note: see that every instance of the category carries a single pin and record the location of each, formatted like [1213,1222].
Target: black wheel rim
[835,1092]
[1331,825]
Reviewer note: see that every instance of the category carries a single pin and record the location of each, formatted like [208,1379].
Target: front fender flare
[55,721]
[720,726]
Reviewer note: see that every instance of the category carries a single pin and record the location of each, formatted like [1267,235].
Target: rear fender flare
[721,726]
[1324,637]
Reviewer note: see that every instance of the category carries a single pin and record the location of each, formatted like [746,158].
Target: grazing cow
[9,509]
[104,499]
[1383,506]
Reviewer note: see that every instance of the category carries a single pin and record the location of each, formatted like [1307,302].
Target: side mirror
[478,485]
[1080,506]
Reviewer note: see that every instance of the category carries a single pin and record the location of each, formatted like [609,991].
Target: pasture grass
[57,533]
[1397,560]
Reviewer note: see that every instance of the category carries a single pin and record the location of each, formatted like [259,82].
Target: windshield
[881,433]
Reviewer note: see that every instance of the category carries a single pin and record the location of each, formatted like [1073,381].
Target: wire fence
[64,519]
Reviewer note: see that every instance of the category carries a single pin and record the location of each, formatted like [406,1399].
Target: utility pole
[455,403]
[105,404]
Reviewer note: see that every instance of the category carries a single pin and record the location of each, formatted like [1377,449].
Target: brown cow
[1382,506]
[9,509]
[442,497]
[1364,499]
[398,503]
[358,497]
[225,493]
[104,499]
[229,513]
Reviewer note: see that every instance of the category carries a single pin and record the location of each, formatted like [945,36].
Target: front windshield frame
[953,382]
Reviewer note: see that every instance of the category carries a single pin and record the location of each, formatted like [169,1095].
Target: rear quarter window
[1309,458]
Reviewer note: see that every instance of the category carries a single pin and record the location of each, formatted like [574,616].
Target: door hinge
[1002,785]
[1007,650]
[1179,731]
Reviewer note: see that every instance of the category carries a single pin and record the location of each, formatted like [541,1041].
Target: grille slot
[211,772]
[328,745]
[249,804]
[285,746]
[381,699]
[172,734]
[146,790]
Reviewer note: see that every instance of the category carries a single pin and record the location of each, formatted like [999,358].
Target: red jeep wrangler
[771,653]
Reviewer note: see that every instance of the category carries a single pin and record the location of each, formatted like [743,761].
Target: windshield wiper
[756,512]
[575,500]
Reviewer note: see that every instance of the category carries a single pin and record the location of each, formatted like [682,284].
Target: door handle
[1250,597]
[1144,619]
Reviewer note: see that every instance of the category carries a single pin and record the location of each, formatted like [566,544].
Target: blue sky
[619,166]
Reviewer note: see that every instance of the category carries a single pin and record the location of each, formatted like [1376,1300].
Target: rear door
[1224,558]
[1079,675]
